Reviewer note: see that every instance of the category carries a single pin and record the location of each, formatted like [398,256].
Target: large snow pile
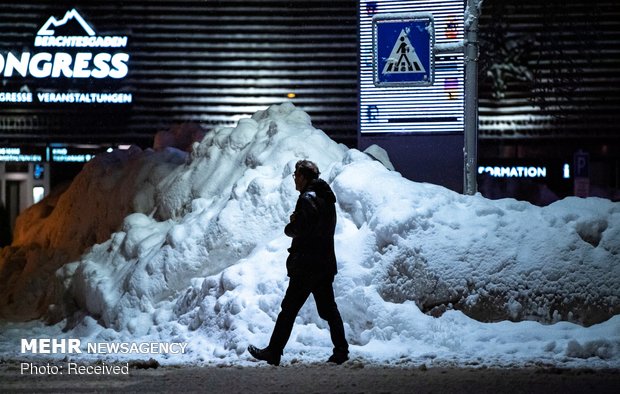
[198,256]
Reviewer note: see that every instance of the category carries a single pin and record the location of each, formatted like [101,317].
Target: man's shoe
[265,354]
[338,358]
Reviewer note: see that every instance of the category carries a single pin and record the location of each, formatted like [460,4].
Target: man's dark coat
[312,228]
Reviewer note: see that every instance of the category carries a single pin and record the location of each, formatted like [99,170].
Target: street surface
[352,377]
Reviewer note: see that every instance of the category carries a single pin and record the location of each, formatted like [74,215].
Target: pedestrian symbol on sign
[403,58]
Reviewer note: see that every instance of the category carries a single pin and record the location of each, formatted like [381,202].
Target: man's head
[305,172]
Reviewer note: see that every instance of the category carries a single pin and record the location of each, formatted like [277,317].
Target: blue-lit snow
[200,257]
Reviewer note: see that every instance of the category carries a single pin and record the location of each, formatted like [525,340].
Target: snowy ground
[167,246]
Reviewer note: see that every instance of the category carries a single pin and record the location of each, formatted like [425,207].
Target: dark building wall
[210,62]
[550,68]
[549,72]
[550,87]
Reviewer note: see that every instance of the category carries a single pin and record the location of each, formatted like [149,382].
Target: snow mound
[235,192]
[189,246]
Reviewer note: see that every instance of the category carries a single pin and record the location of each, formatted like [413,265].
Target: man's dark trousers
[299,288]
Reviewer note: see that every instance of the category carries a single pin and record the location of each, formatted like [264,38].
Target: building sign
[543,170]
[14,154]
[388,103]
[403,49]
[514,171]
[581,183]
[70,155]
[67,49]
[57,153]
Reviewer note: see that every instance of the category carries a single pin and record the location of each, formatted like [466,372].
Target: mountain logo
[73,31]
[49,27]
[69,48]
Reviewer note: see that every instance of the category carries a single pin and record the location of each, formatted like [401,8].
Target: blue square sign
[403,49]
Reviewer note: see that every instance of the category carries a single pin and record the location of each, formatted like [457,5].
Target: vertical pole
[471,97]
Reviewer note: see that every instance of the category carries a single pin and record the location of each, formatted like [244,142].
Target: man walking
[311,265]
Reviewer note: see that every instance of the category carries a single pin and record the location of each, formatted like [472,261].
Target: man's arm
[304,219]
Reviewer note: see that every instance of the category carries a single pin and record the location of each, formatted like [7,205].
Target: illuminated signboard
[63,154]
[13,154]
[67,49]
[58,154]
[513,171]
[555,169]
[437,108]
[403,49]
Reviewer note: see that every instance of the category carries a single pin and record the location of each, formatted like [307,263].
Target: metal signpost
[470,149]
[581,187]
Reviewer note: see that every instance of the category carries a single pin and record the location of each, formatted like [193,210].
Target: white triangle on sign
[403,58]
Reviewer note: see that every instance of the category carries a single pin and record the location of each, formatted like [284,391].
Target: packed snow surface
[169,246]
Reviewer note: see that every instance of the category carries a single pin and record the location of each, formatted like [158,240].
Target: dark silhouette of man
[311,265]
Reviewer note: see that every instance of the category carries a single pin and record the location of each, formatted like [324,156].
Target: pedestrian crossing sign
[403,49]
